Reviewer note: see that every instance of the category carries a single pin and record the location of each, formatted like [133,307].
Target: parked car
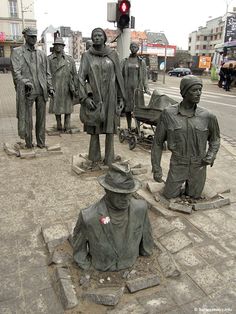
[180,72]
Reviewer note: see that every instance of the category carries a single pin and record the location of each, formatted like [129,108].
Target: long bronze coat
[102,73]
[22,73]
[64,80]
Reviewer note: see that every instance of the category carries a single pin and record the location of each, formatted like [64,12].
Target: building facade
[14,16]
[202,42]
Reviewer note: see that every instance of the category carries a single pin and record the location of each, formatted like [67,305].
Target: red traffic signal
[123,14]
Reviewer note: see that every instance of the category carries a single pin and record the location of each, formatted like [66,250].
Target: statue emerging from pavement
[134,71]
[64,80]
[32,79]
[112,233]
[101,92]
[193,136]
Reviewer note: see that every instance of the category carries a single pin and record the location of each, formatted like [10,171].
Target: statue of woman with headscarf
[101,91]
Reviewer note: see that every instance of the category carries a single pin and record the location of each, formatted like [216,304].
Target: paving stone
[207,278]
[141,283]
[54,235]
[211,253]
[129,308]
[60,257]
[66,293]
[206,225]
[183,290]
[180,208]
[209,192]
[227,269]
[157,303]
[154,187]
[230,210]
[56,147]
[161,226]
[44,302]
[175,241]
[61,273]
[211,205]
[10,287]
[137,171]
[168,265]
[27,154]
[222,219]
[105,296]
[225,298]
[189,259]
[204,306]
[35,279]
[9,150]
[13,306]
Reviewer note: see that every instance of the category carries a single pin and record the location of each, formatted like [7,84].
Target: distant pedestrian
[32,79]
[221,82]
[64,79]
[228,77]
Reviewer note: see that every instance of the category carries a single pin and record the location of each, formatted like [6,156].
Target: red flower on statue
[104,220]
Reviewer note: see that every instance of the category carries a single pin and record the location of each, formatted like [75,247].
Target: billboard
[157,49]
[204,62]
[230,28]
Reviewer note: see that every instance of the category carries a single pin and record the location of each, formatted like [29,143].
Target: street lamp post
[22,15]
[165,60]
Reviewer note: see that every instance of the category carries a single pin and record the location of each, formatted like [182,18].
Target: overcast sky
[176,18]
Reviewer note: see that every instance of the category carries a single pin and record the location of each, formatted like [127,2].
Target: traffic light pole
[123,43]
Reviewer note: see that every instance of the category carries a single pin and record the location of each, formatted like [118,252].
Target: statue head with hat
[30,35]
[119,185]
[58,45]
[190,83]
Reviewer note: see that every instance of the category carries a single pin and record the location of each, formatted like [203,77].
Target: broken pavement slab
[64,288]
[9,150]
[168,265]
[212,205]
[105,296]
[155,187]
[55,235]
[27,154]
[180,207]
[141,283]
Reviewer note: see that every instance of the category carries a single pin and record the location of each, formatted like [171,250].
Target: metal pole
[22,13]
[123,43]
[164,74]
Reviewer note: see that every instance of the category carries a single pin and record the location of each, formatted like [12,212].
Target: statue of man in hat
[193,136]
[64,80]
[113,232]
[32,80]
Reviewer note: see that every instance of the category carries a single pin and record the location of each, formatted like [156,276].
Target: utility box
[111,11]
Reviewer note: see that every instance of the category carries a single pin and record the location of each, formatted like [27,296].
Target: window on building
[15,30]
[197,47]
[216,29]
[13,8]
[190,39]
[1,51]
[204,47]
[198,37]
[205,37]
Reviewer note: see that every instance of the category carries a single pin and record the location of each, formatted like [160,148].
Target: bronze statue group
[113,232]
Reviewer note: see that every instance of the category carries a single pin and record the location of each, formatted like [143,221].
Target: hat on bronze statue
[59,41]
[187,82]
[30,31]
[119,179]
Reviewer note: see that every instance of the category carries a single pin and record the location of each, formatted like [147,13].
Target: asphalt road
[215,99]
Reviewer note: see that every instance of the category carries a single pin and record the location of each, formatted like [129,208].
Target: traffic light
[123,14]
